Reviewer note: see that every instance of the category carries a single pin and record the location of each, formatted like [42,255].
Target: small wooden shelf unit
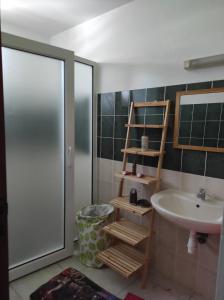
[123,257]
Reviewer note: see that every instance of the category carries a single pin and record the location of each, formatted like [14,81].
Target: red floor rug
[72,285]
[132,297]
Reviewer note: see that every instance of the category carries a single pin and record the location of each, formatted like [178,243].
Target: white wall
[8,28]
[144,43]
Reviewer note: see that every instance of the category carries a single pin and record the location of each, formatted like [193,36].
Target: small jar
[144,143]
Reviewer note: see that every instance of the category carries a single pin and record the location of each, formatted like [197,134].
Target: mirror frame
[177,119]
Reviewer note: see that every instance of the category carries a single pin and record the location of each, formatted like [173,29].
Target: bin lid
[98,210]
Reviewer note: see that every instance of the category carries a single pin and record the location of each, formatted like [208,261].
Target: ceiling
[49,17]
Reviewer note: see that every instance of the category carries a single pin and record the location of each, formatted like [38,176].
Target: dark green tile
[199,113]
[196,142]
[199,85]
[210,142]
[154,134]
[107,129]
[107,104]
[218,83]
[99,126]
[222,115]
[172,158]
[135,158]
[98,146]
[186,112]
[99,104]
[215,163]
[183,141]
[214,111]
[138,96]
[154,119]
[211,129]
[221,134]
[197,130]
[171,94]
[193,162]
[157,110]
[221,143]
[136,133]
[185,129]
[118,145]
[120,129]
[138,119]
[155,94]
[170,128]
[122,103]
[107,148]
[151,161]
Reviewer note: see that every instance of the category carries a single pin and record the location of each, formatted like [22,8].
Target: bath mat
[132,297]
[71,285]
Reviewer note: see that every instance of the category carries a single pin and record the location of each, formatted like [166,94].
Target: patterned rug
[71,285]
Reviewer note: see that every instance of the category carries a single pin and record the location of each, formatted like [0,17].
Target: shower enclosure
[84,127]
[39,124]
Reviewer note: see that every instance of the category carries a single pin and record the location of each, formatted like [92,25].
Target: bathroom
[131,52]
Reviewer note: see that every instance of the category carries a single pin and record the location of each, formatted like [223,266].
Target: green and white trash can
[92,239]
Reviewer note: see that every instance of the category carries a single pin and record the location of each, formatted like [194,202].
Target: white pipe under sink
[192,243]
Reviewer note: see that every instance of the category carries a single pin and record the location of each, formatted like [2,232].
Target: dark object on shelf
[133,197]
[134,168]
[143,203]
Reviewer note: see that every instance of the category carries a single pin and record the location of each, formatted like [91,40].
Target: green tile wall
[113,111]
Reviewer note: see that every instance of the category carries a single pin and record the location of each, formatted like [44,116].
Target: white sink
[186,210]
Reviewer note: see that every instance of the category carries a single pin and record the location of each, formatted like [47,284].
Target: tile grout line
[205,165]
[220,121]
[206,112]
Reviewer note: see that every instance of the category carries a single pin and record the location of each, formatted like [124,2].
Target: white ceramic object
[186,210]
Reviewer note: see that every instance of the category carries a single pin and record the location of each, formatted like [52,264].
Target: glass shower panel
[83,135]
[34,120]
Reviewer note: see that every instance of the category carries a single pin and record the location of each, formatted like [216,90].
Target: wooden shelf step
[145,179]
[152,103]
[127,231]
[139,151]
[123,203]
[145,126]
[122,258]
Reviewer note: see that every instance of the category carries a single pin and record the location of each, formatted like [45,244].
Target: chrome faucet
[202,194]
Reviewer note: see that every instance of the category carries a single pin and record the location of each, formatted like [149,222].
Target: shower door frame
[26,45]
[94,123]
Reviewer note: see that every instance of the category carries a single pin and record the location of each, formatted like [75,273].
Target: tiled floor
[158,288]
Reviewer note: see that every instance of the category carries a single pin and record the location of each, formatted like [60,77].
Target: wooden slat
[144,126]
[122,203]
[145,179]
[139,151]
[123,259]
[129,232]
[152,103]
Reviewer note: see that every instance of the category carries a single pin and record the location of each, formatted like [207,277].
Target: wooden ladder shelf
[122,256]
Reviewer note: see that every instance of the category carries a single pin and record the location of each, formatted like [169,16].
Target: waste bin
[92,239]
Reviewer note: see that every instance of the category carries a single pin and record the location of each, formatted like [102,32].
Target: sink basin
[186,210]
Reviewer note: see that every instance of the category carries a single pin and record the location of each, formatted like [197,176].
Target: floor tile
[28,284]
[13,295]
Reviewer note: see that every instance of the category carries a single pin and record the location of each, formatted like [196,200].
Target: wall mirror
[199,120]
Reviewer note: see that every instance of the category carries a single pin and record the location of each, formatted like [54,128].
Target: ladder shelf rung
[139,151]
[127,231]
[151,103]
[123,203]
[144,179]
[123,259]
[145,126]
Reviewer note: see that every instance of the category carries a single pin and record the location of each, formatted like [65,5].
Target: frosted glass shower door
[34,120]
[83,135]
